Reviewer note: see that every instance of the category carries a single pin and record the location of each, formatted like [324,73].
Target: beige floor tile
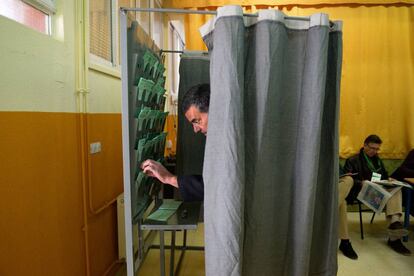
[375,257]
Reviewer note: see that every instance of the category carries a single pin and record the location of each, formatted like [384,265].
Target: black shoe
[396,230]
[398,247]
[346,248]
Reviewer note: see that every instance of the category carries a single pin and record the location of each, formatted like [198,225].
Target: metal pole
[172,253]
[201,12]
[171,51]
[169,10]
[407,210]
[125,148]
[162,253]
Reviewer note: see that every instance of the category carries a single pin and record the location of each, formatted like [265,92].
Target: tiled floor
[375,258]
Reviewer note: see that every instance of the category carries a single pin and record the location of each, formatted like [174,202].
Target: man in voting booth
[195,106]
[368,166]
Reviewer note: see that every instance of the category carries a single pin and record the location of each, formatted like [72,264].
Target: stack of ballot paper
[392,183]
[165,211]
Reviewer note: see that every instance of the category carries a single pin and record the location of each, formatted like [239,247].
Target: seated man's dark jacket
[191,187]
[341,170]
[406,170]
[358,164]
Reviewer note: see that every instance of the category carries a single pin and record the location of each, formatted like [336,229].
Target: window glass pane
[143,18]
[175,43]
[157,28]
[25,14]
[100,28]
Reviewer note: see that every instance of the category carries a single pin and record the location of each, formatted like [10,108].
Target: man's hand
[155,169]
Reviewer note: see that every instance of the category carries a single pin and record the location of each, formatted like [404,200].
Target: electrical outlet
[95,147]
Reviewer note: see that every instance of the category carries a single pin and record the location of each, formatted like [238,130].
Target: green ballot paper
[161,215]
[165,211]
[170,204]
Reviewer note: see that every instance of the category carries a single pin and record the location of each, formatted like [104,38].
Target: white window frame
[175,42]
[46,6]
[146,26]
[112,66]
[155,25]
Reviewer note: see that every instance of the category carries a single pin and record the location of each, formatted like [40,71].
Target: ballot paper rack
[148,117]
[143,120]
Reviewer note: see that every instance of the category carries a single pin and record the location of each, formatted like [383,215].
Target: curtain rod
[171,51]
[181,52]
[200,12]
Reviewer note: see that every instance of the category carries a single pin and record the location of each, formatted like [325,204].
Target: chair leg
[360,220]
[407,211]
[372,218]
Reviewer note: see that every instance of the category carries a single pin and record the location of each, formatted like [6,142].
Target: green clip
[142,117]
[141,179]
[149,60]
[157,144]
[152,116]
[155,70]
[161,119]
[140,151]
[149,147]
[160,69]
[149,95]
[159,91]
[157,121]
[144,86]
[161,81]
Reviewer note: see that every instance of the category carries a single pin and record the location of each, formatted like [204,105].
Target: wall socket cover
[95,147]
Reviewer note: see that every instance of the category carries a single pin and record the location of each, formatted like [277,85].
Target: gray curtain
[194,69]
[271,158]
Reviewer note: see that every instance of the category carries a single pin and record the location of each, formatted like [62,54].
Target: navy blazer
[191,187]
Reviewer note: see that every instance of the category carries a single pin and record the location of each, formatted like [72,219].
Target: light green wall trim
[105,70]
[38,71]
[104,93]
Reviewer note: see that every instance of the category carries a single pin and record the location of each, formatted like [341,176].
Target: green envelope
[166,210]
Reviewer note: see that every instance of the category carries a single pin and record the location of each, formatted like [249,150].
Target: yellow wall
[58,214]
[377,70]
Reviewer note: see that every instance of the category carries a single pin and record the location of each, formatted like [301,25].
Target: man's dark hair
[373,139]
[199,96]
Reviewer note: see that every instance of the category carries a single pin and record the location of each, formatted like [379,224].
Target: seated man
[406,170]
[344,186]
[366,164]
